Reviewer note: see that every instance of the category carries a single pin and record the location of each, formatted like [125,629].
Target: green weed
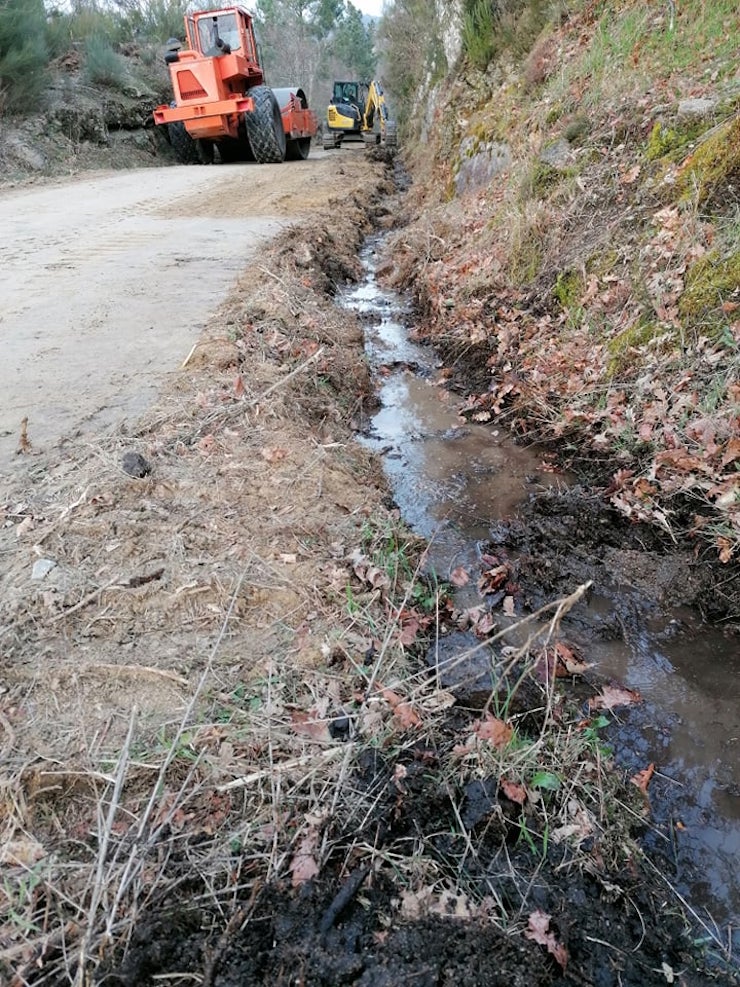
[103,65]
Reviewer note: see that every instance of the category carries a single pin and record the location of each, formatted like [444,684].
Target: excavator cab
[358,110]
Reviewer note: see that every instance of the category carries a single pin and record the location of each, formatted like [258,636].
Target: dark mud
[357,925]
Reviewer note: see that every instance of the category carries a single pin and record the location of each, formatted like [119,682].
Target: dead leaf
[207,444]
[614,695]
[21,853]
[367,572]
[403,711]
[726,549]
[460,576]
[630,176]
[495,731]
[642,779]
[304,866]
[514,791]
[538,929]
[273,454]
[493,579]
[409,631]
[508,606]
[239,388]
[560,660]
[307,723]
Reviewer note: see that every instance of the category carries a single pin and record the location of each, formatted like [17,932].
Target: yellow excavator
[358,111]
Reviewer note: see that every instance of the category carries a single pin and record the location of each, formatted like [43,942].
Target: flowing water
[452,481]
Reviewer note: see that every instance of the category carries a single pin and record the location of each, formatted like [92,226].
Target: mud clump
[565,538]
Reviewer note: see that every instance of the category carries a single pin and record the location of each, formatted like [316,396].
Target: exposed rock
[558,155]
[479,163]
[42,568]
[696,107]
[134,464]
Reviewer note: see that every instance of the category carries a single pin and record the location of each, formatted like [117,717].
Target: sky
[369,6]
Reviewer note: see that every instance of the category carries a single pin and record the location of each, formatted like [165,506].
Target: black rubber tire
[185,148]
[264,126]
[205,151]
[298,149]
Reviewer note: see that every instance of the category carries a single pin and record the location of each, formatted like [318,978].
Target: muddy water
[452,481]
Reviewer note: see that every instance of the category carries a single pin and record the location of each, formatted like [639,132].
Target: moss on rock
[709,284]
[711,175]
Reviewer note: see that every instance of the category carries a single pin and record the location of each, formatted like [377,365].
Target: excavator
[221,100]
[358,110]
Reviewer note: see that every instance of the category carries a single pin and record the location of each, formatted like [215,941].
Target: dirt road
[106,282]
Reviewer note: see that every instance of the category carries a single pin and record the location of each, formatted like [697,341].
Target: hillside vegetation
[576,246]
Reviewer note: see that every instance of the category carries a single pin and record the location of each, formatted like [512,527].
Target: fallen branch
[296,762]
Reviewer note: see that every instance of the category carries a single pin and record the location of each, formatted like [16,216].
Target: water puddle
[452,482]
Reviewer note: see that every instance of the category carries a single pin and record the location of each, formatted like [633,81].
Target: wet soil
[425,872]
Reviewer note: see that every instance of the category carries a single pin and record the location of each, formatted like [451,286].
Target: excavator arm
[377,127]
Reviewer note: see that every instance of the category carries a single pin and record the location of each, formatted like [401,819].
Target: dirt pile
[84,125]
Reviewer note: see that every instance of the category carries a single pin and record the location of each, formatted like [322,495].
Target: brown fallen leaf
[409,631]
[367,572]
[538,930]
[304,865]
[239,388]
[493,579]
[403,711]
[642,779]
[460,576]
[308,724]
[273,454]
[514,791]
[495,731]
[560,660]
[614,695]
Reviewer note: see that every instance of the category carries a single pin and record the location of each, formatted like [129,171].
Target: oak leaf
[642,779]
[614,695]
[538,930]
[495,731]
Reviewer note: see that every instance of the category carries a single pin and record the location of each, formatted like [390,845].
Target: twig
[284,380]
[146,670]
[343,897]
[100,882]
[279,766]
[133,582]
[85,600]
[210,967]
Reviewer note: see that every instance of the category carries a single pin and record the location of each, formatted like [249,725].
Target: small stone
[134,464]
[42,568]
[558,154]
[696,107]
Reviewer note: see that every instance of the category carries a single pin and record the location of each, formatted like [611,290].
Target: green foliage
[103,65]
[410,37]
[713,166]
[491,27]
[23,54]
[479,25]
[568,288]
[352,44]
[710,282]
[86,19]
[156,20]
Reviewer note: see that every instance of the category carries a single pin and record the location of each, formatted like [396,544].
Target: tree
[23,54]
[354,45]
